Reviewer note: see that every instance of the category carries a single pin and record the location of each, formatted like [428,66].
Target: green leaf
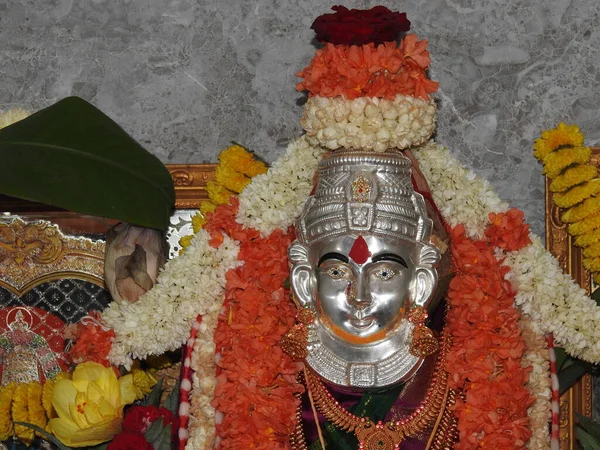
[596,296]
[587,441]
[73,156]
[153,398]
[561,357]
[46,435]
[172,400]
[159,435]
[591,427]
[570,375]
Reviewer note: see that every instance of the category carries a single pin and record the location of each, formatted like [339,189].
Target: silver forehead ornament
[362,195]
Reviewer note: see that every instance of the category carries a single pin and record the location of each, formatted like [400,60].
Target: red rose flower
[359,26]
[139,418]
[129,441]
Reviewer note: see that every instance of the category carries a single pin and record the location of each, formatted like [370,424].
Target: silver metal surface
[361,261]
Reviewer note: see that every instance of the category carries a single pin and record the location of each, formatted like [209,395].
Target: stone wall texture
[187,77]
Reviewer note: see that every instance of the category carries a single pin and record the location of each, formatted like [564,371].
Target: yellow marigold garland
[6,397]
[47,390]
[576,186]
[35,409]
[19,413]
[235,170]
[572,177]
[563,135]
[559,160]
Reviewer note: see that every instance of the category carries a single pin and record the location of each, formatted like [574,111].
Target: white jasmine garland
[555,303]
[537,358]
[275,199]
[462,197]
[160,320]
[204,379]
[367,123]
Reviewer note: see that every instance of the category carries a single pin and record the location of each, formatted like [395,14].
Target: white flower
[367,123]
[275,199]
[159,321]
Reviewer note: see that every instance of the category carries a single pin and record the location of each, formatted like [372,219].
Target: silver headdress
[365,192]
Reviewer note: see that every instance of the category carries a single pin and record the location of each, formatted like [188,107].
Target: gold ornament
[423,343]
[294,342]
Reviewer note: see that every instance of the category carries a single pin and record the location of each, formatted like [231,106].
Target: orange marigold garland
[256,386]
[485,359]
[384,70]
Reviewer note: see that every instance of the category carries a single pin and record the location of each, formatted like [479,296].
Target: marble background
[187,77]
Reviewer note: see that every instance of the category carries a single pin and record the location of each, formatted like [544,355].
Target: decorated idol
[365,291]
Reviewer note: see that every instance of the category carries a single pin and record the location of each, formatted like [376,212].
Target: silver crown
[365,193]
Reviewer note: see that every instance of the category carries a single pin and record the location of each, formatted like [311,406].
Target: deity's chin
[355,362]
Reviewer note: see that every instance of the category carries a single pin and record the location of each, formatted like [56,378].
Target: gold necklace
[388,435]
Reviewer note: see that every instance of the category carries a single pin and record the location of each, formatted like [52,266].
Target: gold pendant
[379,436]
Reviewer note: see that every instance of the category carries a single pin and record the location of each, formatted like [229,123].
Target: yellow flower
[587,239]
[592,264]
[572,177]
[562,135]
[580,212]
[241,160]
[19,414]
[6,396]
[218,194]
[198,222]
[90,407]
[592,251]
[583,226]
[143,382]
[47,398]
[37,414]
[206,207]
[557,161]
[231,179]
[577,194]
[185,242]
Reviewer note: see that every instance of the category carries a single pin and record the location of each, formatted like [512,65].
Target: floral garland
[576,187]
[369,123]
[485,360]
[159,321]
[369,70]
[257,381]
[290,178]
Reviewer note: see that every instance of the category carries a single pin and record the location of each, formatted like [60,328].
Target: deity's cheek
[331,299]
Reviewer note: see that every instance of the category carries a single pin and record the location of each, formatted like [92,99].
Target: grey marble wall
[186,77]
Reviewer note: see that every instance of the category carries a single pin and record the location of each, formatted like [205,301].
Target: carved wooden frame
[579,398]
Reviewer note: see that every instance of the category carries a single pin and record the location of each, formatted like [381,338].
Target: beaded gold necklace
[380,435]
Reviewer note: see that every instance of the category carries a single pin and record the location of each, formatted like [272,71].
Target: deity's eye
[384,273]
[337,272]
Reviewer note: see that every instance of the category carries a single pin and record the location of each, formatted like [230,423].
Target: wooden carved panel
[559,243]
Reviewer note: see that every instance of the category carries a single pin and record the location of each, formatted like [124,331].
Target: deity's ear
[425,283]
[302,284]
[301,276]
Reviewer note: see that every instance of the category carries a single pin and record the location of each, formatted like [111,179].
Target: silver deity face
[362,303]
[361,261]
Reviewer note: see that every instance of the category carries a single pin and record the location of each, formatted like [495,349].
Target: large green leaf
[73,156]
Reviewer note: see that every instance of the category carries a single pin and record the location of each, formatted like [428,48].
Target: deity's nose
[357,293]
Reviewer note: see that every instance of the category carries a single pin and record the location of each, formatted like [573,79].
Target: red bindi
[360,251]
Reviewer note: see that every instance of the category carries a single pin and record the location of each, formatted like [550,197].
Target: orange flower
[256,387]
[382,71]
[508,230]
[485,358]
[92,341]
